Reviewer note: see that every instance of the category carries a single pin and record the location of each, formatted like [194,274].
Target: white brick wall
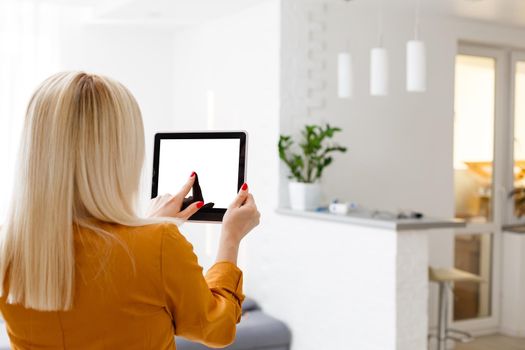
[412,290]
[337,286]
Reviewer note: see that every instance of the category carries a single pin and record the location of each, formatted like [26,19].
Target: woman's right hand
[241,217]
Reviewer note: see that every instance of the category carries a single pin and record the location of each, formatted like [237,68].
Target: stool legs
[444,332]
[443,317]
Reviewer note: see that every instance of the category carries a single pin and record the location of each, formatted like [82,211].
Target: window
[474,137]
[475,118]
[489,125]
[519,125]
[473,254]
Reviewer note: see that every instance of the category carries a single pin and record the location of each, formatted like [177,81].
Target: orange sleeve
[203,309]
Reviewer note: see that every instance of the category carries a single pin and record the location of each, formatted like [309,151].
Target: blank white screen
[216,161]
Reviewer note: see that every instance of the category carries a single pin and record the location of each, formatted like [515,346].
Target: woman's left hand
[170,205]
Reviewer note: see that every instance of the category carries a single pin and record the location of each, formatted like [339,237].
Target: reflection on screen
[216,161]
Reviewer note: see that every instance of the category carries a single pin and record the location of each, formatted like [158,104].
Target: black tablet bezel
[207,215]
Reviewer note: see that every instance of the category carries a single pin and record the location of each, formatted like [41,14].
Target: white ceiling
[176,12]
[503,12]
[183,12]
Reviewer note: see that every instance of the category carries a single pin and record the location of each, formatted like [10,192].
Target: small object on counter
[410,215]
[338,208]
[400,215]
[342,208]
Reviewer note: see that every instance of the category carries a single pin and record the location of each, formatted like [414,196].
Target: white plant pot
[304,196]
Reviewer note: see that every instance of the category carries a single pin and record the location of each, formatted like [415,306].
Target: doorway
[489,103]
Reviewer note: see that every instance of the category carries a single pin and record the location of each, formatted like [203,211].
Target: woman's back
[128,291]
[79,267]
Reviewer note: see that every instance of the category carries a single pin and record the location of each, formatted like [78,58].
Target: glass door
[517,176]
[474,106]
[479,100]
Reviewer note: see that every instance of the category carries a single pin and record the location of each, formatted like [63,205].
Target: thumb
[190,210]
[241,196]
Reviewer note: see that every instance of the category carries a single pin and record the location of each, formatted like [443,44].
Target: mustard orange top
[135,294]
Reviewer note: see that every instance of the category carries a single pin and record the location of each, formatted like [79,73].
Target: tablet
[218,159]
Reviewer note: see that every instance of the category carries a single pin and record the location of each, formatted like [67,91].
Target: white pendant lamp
[416,59]
[378,71]
[379,62]
[344,75]
[416,66]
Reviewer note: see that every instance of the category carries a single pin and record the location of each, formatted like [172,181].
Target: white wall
[139,56]
[170,72]
[236,57]
[513,284]
[400,146]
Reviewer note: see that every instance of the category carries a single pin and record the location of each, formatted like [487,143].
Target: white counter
[344,282]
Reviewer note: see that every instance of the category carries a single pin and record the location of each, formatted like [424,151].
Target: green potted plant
[307,163]
[519,201]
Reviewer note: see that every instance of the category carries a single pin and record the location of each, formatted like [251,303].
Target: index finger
[187,186]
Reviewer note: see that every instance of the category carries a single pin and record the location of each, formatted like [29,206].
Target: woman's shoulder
[164,238]
[155,231]
[145,228]
[153,228]
[149,235]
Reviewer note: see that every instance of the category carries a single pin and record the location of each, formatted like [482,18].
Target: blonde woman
[80,269]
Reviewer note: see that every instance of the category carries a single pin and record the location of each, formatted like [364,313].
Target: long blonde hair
[80,161]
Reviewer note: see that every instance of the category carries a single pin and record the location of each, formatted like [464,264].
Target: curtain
[29,52]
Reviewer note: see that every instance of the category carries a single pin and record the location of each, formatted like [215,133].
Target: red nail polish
[244,186]
[192,174]
[200,204]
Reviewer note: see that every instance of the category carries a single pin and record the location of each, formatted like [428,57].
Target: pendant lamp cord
[347,41]
[416,19]
[381,4]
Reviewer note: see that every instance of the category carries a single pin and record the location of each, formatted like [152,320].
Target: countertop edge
[395,225]
[518,229]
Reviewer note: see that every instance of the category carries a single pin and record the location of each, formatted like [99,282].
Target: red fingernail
[200,204]
[192,174]
[244,186]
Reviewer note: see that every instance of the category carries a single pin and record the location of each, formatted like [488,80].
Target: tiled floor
[494,342]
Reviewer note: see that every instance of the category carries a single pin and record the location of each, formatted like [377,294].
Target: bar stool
[445,277]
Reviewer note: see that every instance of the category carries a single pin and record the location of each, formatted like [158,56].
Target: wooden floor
[494,342]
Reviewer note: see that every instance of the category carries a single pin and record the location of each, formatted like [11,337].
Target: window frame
[510,217]
[500,162]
